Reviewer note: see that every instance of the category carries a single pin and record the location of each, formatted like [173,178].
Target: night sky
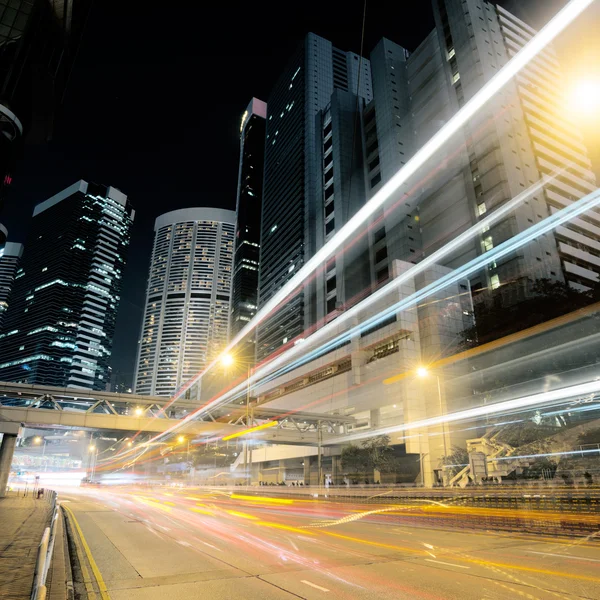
[155,99]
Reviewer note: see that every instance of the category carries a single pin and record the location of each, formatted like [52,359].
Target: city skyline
[258,82]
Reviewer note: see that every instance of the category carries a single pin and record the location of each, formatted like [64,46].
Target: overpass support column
[7,449]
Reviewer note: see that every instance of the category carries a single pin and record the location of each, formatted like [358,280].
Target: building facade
[244,288]
[520,136]
[60,324]
[10,258]
[293,198]
[186,318]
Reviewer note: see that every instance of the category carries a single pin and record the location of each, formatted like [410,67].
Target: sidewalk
[22,524]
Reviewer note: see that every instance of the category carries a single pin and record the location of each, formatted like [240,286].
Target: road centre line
[563,556]
[318,587]
[446,563]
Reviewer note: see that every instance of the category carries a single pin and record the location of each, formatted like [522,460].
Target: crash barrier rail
[45,549]
[544,510]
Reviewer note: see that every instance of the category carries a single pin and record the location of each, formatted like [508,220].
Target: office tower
[293,207]
[519,136]
[10,258]
[38,45]
[244,287]
[60,324]
[186,319]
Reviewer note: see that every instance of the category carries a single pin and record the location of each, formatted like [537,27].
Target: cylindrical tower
[188,297]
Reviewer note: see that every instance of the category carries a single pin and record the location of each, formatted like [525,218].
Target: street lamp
[38,440]
[227,360]
[423,372]
[138,411]
[93,459]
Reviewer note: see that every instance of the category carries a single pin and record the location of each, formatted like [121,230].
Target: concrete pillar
[7,449]
[375,418]
[307,470]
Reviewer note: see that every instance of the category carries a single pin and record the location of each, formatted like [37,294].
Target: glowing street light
[227,360]
[180,439]
[130,443]
[424,372]
[37,439]
[584,97]
[138,411]
[92,448]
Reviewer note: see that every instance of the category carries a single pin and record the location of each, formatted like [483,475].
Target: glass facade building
[244,288]
[60,324]
[293,176]
[186,317]
[516,139]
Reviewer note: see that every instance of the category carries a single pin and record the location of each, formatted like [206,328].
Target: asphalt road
[196,544]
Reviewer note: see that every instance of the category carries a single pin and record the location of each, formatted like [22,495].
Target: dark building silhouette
[60,324]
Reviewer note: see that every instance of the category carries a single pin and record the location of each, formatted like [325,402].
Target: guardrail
[45,549]
[544,510]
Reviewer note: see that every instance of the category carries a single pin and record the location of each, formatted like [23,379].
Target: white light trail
[554,27]
[572,210]
[582,389]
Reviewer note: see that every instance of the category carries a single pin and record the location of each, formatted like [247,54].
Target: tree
[355,461]
[372,454]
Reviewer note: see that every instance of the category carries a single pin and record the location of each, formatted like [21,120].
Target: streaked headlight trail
[548,33]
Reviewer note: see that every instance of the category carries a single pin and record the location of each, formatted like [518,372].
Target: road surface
[167,543]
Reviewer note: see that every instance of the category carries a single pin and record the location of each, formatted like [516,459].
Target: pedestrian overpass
[52,407]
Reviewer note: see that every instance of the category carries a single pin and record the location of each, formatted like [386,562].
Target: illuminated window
[488,243]
[494,282]
[481,209]
[455,77]
[451,53]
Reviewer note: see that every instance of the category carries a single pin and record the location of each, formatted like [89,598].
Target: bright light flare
[37,439]
[422,372]
[227,360]
[180,439]
[139,412]
[251,430]
[584,97]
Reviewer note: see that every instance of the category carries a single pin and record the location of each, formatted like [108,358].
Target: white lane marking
[184,543]
[445,563]
[563,556]
[318,587]
[210,546]
[63,501]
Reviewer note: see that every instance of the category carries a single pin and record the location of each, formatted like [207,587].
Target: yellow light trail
[262,499]
[251,430]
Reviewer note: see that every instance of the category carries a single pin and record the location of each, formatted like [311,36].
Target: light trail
[436,257]
[582,389]
[565,214]
[545,36]
[238,434]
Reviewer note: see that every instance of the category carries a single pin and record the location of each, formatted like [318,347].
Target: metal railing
[45,549]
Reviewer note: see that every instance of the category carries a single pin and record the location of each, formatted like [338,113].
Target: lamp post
[227,360]
[93,458]
[424,372]
[38,440]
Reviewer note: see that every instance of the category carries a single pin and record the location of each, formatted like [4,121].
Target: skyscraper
[10,258]
[186,319]
[293,208]
[244,288]
[60,323]
[519,136]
